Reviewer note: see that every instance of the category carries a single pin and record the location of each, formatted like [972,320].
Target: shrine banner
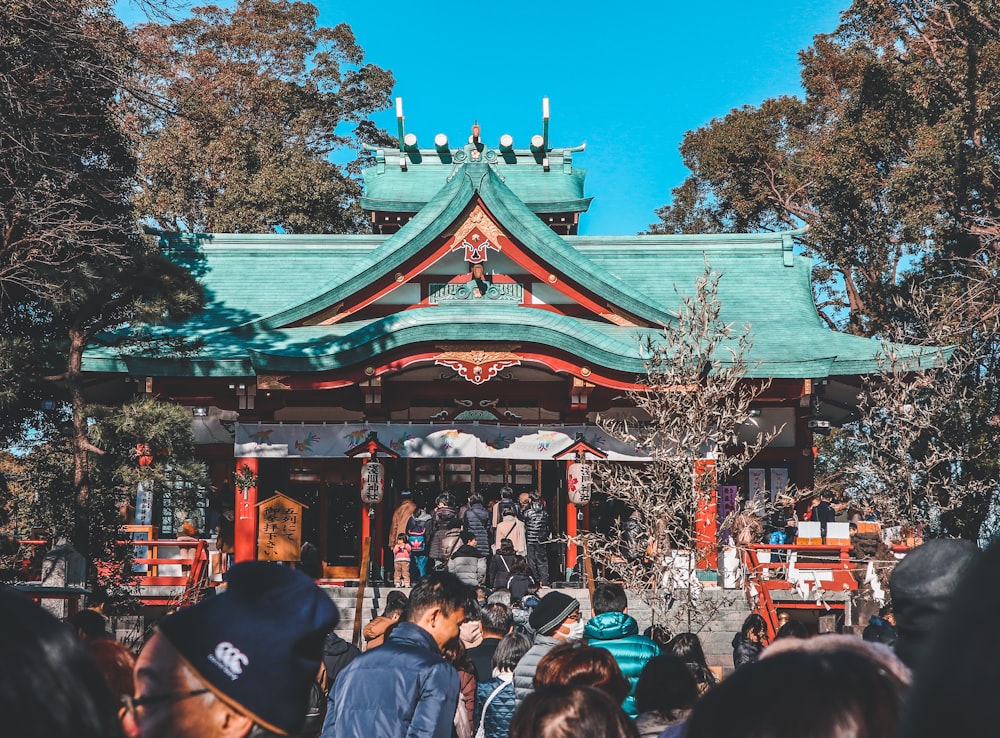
[410,440]
[758,485]
[779,482]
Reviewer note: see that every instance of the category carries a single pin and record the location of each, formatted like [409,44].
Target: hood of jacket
[609,626]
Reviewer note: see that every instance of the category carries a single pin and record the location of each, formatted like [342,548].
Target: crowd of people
[261,658]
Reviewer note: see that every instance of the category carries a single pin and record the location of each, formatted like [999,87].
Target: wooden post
[360,602]
[588,567]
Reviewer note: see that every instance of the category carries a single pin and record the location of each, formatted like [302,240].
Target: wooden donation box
[279,526]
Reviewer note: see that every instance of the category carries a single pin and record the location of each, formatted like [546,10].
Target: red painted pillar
[245,530]
[706,520]
[572,554]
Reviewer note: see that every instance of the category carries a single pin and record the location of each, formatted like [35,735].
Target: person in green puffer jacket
[612,628]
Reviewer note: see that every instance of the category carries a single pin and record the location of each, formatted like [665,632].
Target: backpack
[416,531]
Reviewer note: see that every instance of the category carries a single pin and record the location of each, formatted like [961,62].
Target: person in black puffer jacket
[445,529]
[477,522]
[537,529]
[500,711]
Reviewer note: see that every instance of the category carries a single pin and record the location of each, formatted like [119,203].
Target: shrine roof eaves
[788,354]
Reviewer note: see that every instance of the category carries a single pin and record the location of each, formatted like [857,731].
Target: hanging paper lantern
[144,454]
[372,482]
[578,483]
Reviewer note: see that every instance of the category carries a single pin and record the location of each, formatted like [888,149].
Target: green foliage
[48,468]
[73,261]
[890,158]
[237,113]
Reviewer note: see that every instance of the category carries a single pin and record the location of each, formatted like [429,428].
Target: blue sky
[629,79]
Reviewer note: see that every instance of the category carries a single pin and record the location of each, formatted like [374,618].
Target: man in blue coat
[612,628]
[405,687]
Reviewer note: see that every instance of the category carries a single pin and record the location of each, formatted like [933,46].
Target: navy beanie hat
[550,611]
[258,644]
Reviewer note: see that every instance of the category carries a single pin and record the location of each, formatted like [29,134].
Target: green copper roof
[440,214]
[259,285]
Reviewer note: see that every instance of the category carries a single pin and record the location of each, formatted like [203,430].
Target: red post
[571,530]
[245,530]
[706,521]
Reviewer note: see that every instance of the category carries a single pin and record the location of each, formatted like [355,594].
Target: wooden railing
[166,562]
[806,562]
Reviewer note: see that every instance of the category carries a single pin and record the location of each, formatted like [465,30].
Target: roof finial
[475,132]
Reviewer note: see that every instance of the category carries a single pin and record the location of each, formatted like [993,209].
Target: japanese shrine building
[474,331]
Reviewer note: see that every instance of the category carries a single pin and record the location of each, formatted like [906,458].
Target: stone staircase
[719,615]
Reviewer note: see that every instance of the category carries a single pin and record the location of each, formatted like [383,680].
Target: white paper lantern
[372,482]
[578,483]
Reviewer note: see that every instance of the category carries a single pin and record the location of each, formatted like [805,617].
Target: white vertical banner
[779,482]
[758,483]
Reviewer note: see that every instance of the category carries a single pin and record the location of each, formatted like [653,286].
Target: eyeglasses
[575,615]
[131,704]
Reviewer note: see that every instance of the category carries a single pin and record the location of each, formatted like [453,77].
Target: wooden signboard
[279,529]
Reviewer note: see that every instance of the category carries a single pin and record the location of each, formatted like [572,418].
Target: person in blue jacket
[612,628]
[405,687]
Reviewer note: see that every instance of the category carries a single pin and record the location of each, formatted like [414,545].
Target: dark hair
[608,598]
[520,565]
[438,589]
[496,619]
[792,629]
[89,624]
[49,686]
[475,498]
[510,650]
[506,545]
[467,536]
[585,666]
[666,686]
[687,647]
[841,693]
[395,602]
[659,634]
[454,652]
[444,498]
[753,624]
[570,712]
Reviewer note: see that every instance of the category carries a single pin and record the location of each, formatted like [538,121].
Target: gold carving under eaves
[478,219]
[477,366]
[272,382]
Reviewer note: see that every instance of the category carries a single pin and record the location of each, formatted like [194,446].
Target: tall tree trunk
[81,445]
